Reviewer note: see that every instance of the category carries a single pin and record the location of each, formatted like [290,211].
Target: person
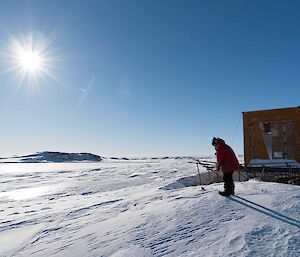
[227,162]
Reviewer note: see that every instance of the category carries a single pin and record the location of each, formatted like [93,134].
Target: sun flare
[30,60]
[31,57]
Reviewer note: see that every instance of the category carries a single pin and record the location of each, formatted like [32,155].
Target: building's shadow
[267,211]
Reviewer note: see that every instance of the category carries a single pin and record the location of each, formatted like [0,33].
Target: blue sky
[146,78]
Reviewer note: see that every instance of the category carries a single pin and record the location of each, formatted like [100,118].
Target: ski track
[127,209]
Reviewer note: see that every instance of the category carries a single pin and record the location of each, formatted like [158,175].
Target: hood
[220,141]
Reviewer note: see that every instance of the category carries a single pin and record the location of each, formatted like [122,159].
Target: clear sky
[144,78]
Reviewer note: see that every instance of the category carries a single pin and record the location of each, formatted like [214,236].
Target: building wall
[272,134]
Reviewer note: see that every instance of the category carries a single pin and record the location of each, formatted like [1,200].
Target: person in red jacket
[227,162]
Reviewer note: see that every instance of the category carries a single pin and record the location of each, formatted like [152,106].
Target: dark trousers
[228,182]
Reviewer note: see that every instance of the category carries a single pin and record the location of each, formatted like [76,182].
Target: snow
[278,163]
[139,207]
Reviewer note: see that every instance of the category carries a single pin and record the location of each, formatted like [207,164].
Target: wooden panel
[258,149]
[285,129]
[278,141]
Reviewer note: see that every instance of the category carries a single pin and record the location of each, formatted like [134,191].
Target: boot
[224,193]
[229,189]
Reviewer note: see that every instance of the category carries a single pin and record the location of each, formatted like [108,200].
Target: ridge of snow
[48,156]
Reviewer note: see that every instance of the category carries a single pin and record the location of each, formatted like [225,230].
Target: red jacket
[226,158]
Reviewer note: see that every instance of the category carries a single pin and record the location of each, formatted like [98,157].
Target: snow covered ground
[126,208]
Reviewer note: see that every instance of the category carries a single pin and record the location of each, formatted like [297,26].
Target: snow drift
[205,178]
[121,208]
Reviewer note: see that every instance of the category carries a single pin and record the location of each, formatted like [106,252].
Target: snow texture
[278,163]
[128,208]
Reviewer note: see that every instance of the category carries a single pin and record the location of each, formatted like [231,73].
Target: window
[267,127]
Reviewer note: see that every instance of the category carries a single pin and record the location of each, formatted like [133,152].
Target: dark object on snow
[226,162]
[228,183]
[226,158]
[60,157]
[295,181]
[224,193]
[275,174]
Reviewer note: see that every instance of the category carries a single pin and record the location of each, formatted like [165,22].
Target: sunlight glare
[30,57]
[29,60]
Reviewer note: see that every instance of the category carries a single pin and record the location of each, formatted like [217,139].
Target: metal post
[198,173]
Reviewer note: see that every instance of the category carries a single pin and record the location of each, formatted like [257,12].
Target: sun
[29,60]
[29,56]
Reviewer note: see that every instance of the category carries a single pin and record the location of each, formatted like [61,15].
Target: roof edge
[276,109]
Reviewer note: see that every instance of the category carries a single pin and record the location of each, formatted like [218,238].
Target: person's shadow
[267,211]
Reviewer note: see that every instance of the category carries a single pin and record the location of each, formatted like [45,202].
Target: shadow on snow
[267,211]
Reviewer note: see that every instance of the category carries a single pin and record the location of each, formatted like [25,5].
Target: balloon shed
[272,137]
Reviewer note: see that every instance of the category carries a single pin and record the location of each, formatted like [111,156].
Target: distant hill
[56,157]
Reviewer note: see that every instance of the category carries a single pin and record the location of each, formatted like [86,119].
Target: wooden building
[272,134]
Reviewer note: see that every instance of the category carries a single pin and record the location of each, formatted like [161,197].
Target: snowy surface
[128,208]
[279,163]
